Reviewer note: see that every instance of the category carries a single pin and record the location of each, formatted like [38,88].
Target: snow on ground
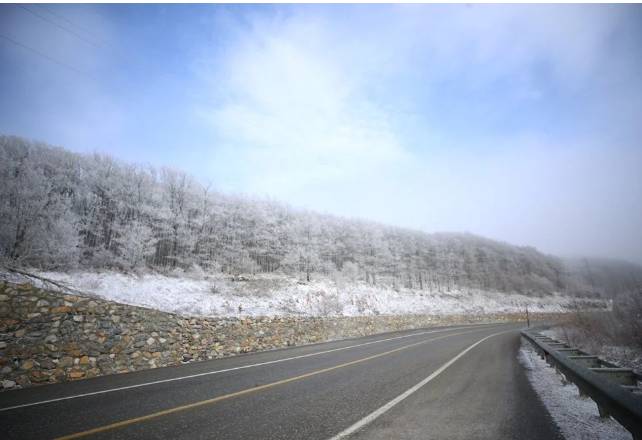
[577,417]
[272,295]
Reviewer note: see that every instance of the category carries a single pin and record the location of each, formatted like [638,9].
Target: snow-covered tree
[61,210]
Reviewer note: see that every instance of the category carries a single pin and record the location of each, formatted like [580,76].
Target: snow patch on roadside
[577,417]
[280,295]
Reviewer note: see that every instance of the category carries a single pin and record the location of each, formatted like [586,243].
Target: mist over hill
[62,211]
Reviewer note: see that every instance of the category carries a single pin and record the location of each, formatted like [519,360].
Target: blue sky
[520,123]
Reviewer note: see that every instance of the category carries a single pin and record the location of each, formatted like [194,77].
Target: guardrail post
[565,380]
[604,414]
[582,393]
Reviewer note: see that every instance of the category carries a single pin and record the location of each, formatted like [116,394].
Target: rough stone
[76,374]
[38,376]
[75,338]
[47,364]
[66,361]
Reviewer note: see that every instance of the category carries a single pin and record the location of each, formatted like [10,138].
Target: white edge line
[373,415]
[207,373]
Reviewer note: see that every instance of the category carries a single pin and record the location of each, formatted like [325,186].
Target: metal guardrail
[615,390]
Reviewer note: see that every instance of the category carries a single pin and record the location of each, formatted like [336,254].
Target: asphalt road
[444,383]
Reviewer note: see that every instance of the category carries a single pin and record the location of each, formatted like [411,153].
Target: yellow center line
[211,401]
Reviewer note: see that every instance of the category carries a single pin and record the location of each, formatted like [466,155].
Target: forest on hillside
[62,210]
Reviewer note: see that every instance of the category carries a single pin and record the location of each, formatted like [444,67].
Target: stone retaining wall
[51,337]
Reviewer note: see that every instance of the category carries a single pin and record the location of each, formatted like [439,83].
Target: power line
[72,32]
[44,55]
[79,27]
[94,41]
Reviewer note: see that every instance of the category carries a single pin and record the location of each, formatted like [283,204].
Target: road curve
[440,383]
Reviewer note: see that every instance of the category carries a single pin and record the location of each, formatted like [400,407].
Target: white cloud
[297,115]
[326,108]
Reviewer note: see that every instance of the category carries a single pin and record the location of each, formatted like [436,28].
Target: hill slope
[62,211]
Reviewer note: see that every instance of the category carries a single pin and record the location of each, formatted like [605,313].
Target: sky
[518,123]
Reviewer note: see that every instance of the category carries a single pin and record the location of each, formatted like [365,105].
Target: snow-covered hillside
[278,295]
[65,211]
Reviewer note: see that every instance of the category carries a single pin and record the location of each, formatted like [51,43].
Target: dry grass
[615,335]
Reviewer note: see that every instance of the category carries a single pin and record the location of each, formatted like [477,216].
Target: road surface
[459,382]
